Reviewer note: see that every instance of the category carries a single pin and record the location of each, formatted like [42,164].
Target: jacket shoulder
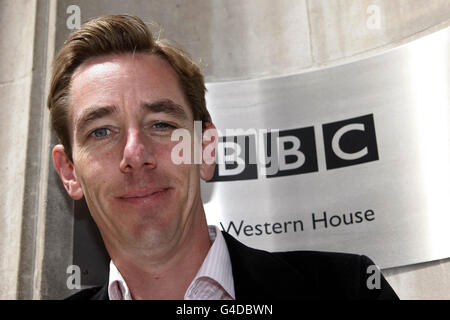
[305,274]
[323,260]
[341,275]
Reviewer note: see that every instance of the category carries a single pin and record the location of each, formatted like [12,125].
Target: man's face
[123,109]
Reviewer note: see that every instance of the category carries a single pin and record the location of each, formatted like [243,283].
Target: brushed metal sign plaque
[360,160]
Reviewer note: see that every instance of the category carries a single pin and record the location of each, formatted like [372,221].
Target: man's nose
[137,153]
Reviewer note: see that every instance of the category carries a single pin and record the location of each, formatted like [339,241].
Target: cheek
[177,151]
[183,174]
[93,175]
[96,155]
[94,171]
[163,153]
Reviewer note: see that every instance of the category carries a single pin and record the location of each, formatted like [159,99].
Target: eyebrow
[93,113]
[166,106]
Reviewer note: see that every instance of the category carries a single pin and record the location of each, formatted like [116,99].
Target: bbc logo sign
[291,152]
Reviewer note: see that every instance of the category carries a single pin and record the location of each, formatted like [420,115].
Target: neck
[168,273]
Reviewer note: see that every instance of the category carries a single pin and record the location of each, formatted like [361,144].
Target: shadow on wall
[89,252]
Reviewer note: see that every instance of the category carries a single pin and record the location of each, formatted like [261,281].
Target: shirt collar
[117,287]
[216,266]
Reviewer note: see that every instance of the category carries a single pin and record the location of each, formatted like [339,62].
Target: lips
[144,196]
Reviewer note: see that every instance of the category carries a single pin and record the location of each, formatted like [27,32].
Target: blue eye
[101,132]
[162,125]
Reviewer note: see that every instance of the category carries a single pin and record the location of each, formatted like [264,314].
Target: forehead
[123,80]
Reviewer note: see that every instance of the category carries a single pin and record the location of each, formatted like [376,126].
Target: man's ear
[210,140]
[66,172]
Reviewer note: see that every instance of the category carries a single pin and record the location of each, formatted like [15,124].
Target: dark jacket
[291,275]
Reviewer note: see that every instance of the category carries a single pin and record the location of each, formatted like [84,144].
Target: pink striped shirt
[214,279]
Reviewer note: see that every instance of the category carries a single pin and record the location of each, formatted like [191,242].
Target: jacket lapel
[261,275]
[101,294]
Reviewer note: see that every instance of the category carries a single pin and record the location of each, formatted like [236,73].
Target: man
[117,96]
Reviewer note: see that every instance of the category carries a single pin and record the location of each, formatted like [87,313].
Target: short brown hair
[112,34]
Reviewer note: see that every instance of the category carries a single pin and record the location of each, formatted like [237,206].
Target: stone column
[16,61]
[35,217]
